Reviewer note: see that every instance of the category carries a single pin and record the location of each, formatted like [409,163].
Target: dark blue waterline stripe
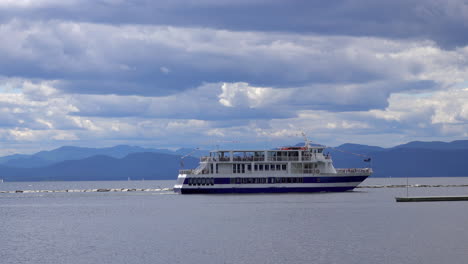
[263,190]
[334,179]
[324,179]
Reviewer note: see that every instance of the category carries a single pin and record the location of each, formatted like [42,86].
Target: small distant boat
[288,169]
[1,180]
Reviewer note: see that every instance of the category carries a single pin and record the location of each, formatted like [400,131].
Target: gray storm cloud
[126,71]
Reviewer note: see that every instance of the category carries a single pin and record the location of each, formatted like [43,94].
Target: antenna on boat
[183,157]
[306,140]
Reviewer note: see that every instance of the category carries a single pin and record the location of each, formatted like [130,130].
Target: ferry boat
[287,169]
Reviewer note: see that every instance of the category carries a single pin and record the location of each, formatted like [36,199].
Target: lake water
[363,226]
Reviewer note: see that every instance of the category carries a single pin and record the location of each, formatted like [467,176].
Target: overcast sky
[200,73]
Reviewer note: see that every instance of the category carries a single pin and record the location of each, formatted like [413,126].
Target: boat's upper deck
[306,153]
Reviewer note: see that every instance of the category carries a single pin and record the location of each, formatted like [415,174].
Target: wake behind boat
[288,169]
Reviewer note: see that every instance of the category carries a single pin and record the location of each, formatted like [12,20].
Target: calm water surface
[364,226]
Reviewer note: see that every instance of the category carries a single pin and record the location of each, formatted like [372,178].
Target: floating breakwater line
[413,186]
[163,190]
[91,190]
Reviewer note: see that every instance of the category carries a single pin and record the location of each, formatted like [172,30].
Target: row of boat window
[241,168]
[200,181]
[267,180]
[256,180]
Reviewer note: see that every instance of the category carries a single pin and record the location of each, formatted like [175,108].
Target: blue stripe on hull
[264,190]
[312,179]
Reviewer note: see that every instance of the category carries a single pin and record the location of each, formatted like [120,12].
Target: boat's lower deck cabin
[260,168]
[243,180]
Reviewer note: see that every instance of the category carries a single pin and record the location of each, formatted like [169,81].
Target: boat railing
[283,158]
[186,172]
[354,170]
[214,159]
[261,158]
[206,158]
[194,171]
[315,157]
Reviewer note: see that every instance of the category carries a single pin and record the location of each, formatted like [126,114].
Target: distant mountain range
[46,158]
[414,159]
[134,166]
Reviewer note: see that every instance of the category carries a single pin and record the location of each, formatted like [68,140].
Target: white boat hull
[191,184]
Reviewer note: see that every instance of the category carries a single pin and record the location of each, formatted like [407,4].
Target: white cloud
[35,3]
[186,124]
[41,113]
[165,70]
[236,85]
[442,107]
[152,60]
[243,95]
[42,91]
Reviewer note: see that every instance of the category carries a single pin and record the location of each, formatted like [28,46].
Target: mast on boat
[306,140]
